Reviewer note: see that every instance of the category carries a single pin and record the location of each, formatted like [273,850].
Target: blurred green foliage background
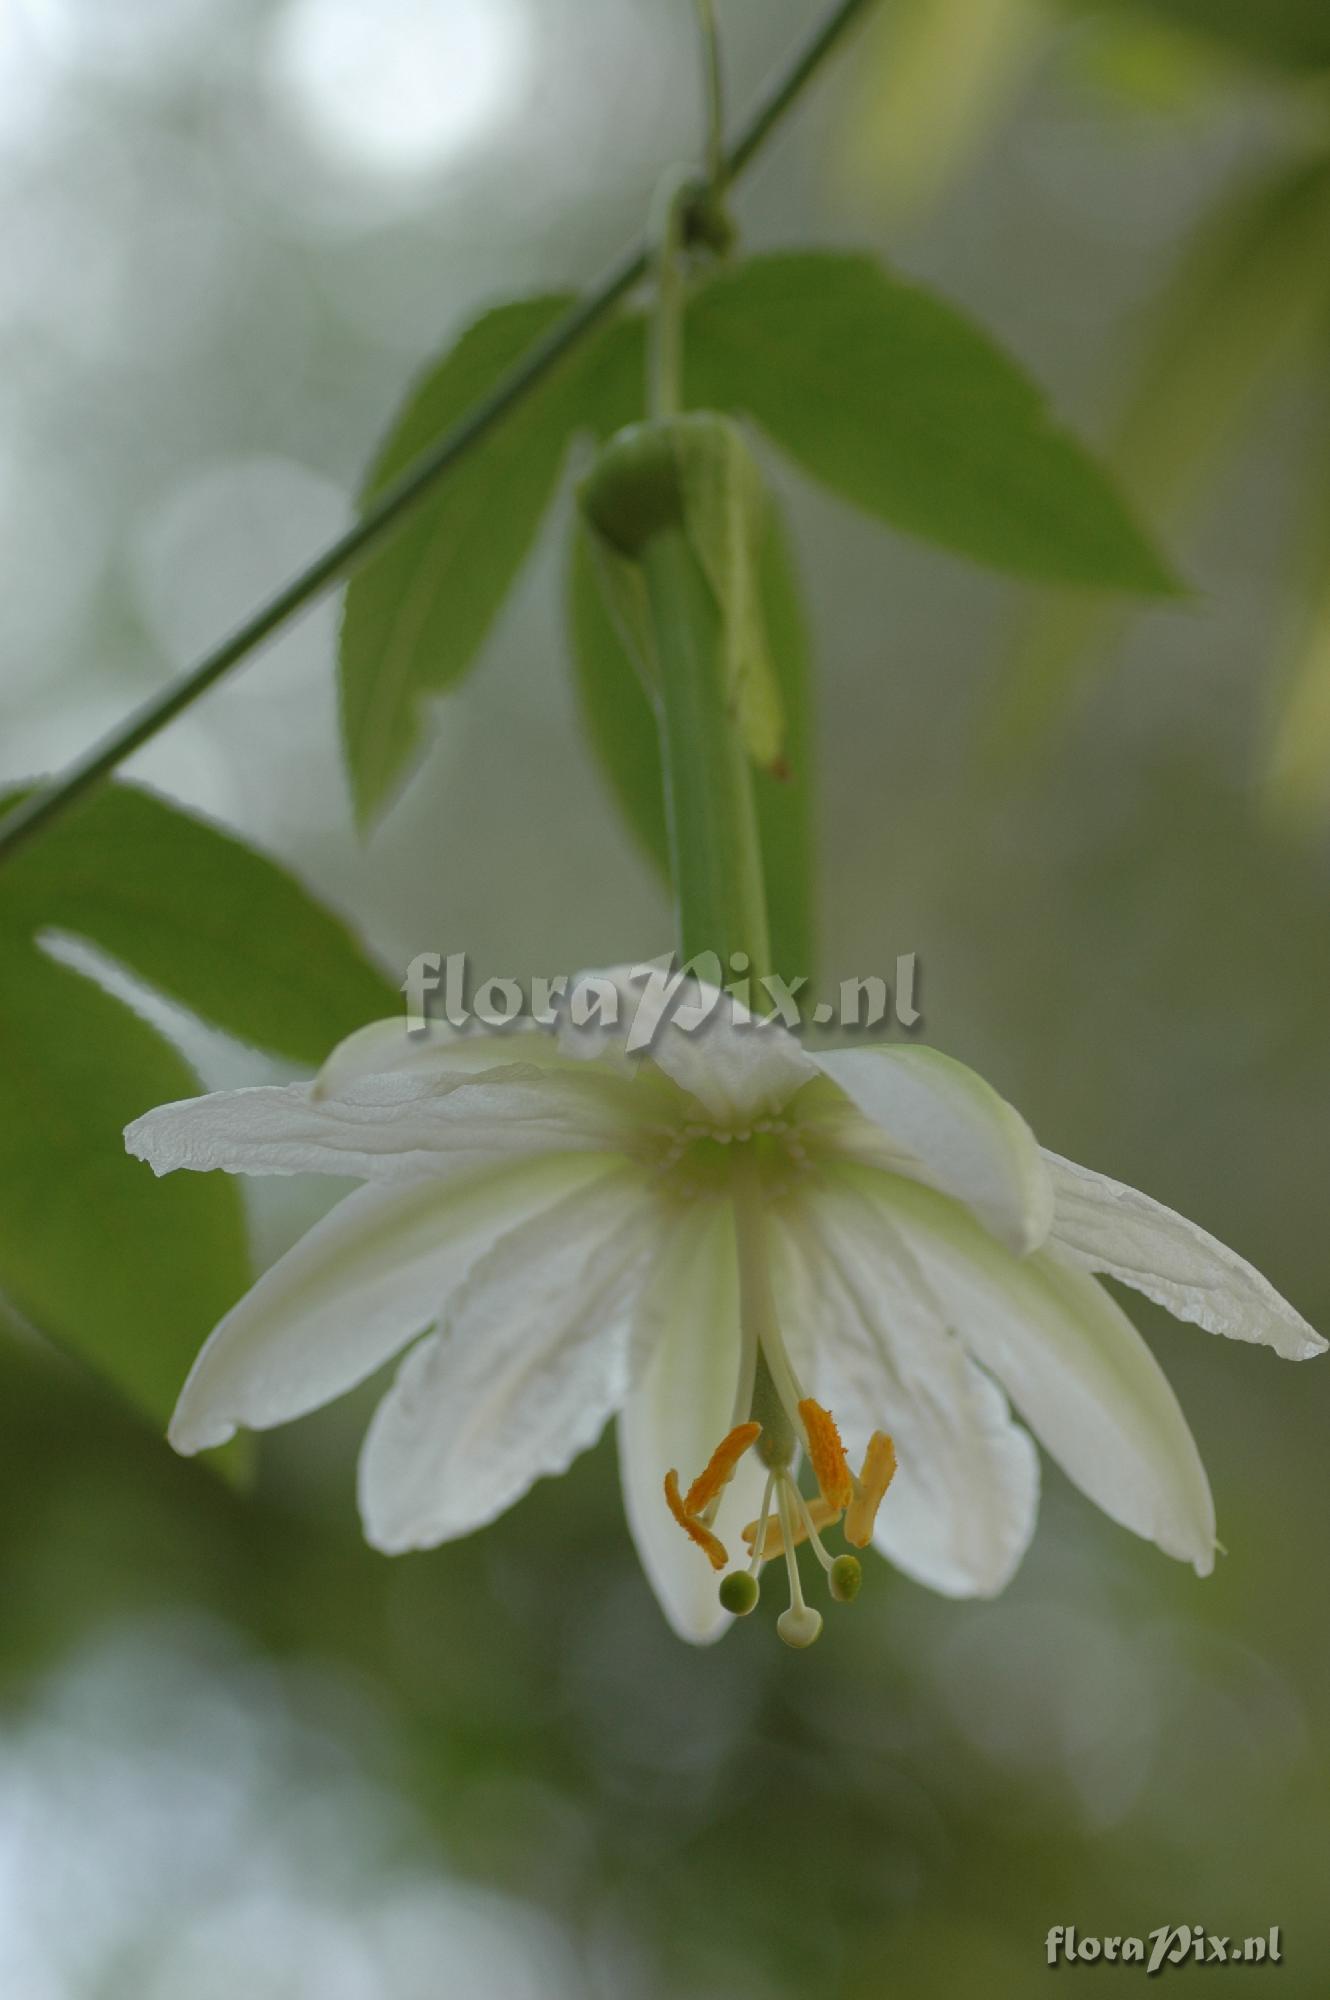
[239,1753]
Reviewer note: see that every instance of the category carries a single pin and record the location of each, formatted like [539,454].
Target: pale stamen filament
[799,1625]
[797,1600]
[810,1528]
[764,1515]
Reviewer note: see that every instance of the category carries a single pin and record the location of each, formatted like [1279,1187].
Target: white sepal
[1075,1368]
[961,1510]
[683,1405]
[401,1123]
[531,1356]
[945,1127]
[368,1277]
[1101,1225]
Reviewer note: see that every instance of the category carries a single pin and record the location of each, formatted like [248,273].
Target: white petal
[679,1412]
[529,1360]
[944,1126]
[1074,1366]
[737,1067]
[1101,1225]
[383,1046]
[396,1124]
[367,1278]
[962,1508]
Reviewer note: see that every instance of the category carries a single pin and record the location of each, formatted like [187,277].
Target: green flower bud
[694,473]
[634,490]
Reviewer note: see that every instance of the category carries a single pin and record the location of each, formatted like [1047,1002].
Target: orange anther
[774,1541]
[879,1469]
[696,1530]
[827,1455]
[719,1468]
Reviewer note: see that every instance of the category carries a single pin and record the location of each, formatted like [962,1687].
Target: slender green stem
[714,89]
[398,500]
[790,85]
[715,856]
[665,344]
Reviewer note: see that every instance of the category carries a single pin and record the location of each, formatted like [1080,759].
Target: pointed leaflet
[200,916]
[418,612]
[124,1272]
[906,408]
[624,736]
[128,1272]
[616,708]
[619,585]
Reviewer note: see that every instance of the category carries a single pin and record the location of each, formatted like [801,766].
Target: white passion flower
[746,1250]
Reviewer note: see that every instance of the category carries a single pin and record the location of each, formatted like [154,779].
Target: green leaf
[622,588]
[905,408]
[622,730]
[418,612]
[128,1272]
[200,916]
[616,709]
